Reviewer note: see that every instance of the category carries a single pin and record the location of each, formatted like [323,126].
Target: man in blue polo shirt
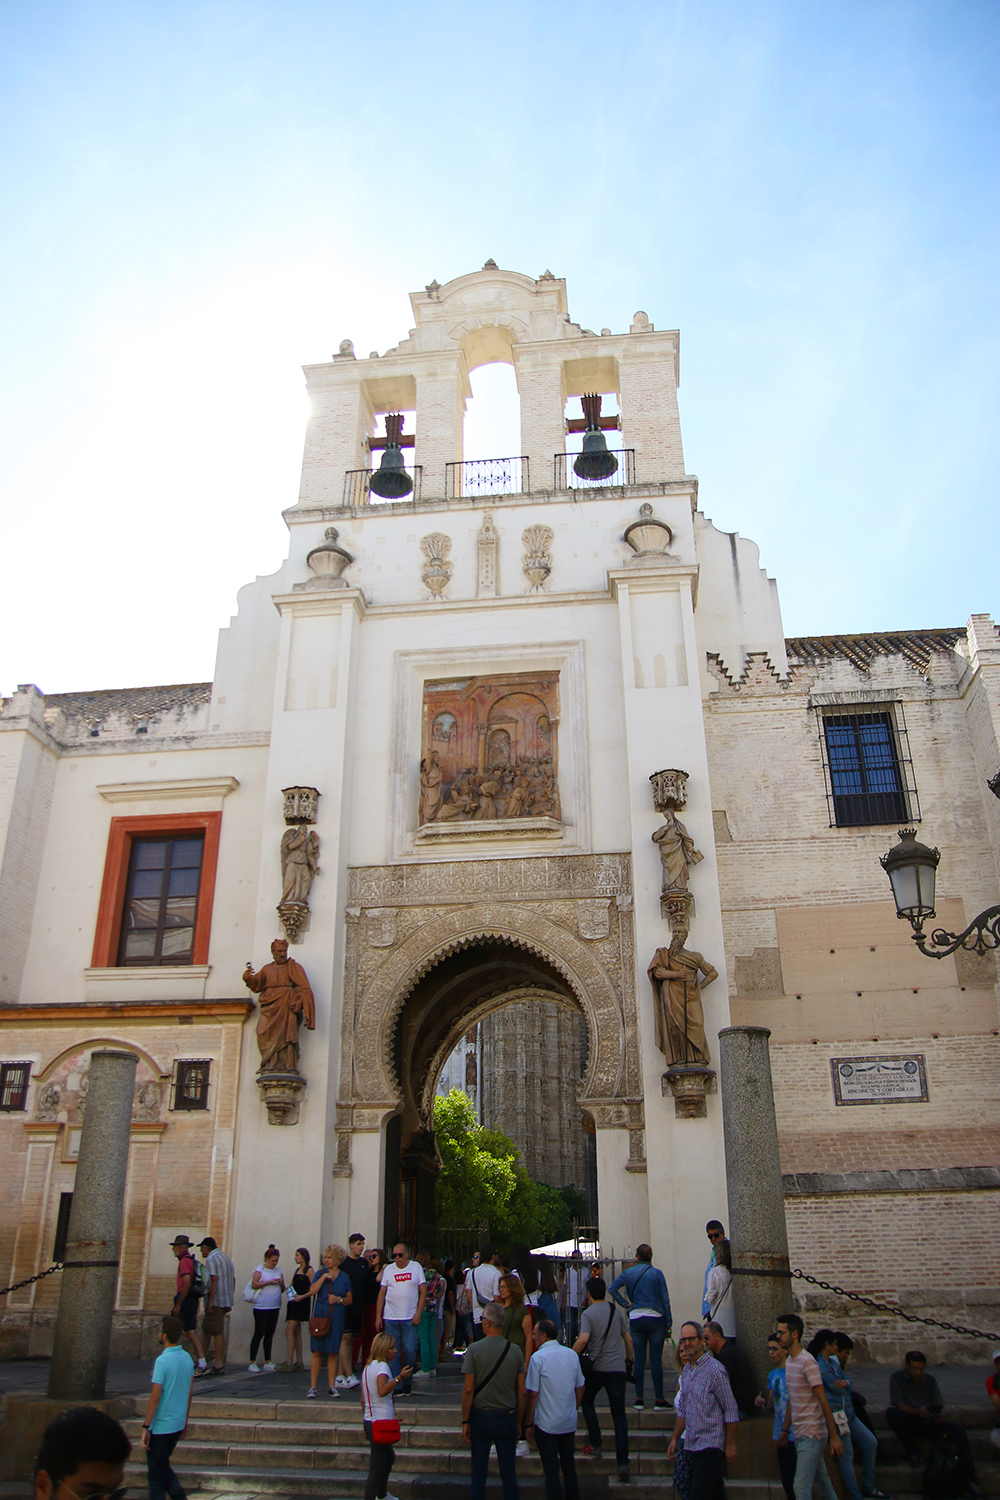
[167,1411]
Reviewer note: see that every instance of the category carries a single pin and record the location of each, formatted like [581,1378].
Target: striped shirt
[803,1378]
[220,1266]
[705,1400]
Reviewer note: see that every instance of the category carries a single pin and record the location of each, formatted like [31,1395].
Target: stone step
[277,1436]
[452,1460]
[431,1485]
[411,1411]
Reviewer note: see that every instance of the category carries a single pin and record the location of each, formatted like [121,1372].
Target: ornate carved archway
[571,918]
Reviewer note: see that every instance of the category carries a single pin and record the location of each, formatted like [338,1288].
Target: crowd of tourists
[539,1343]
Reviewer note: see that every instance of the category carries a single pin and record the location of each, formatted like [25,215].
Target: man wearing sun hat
[186,1299]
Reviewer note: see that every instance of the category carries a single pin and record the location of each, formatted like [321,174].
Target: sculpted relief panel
[488,748]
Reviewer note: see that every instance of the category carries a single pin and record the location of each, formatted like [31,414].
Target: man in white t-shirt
[482,1280]
[399,1308]
[554,1384]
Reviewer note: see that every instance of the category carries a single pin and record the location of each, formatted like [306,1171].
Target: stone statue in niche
[299,856]
[677,852]
[680,1018]
[676,846]
[299,862]
[286,1002]
[490,749]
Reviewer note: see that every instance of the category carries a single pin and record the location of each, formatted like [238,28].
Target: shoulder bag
[588,1359]
[385,1430]
[482,1384]
[319,1326]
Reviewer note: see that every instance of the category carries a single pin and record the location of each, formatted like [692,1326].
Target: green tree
[482,1177]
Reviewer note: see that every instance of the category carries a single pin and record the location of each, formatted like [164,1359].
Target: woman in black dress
[298,1309]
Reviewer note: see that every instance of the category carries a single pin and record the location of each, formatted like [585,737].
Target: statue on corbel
[299,859]
[285,1001]
[678,974]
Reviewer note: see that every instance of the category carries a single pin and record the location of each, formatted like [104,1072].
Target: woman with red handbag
[332,1291]
[381,1426]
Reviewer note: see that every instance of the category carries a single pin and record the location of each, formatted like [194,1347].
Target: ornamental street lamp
[912,872]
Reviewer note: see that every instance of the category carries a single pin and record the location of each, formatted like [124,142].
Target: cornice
[62,1012]
[214,787]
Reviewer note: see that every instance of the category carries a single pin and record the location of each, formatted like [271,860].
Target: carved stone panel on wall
[489,750]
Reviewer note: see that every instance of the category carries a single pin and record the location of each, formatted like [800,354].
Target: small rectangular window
[62,1226]
[866,762]
[161,901]
[191,1085]
[14,1085]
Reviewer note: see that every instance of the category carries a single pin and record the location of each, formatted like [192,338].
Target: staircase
[317,1448]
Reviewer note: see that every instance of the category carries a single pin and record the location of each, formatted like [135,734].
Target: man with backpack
[482,1282]
[190,1289]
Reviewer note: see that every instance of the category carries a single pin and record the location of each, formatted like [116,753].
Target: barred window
[867,763]
[14,1085]
[191,1084]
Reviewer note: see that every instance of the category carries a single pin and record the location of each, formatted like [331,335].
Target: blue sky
[199,198]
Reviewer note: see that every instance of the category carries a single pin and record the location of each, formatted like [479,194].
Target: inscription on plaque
[879,1080]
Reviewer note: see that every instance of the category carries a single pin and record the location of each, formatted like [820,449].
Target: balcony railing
[565,479]
[487,476]
[358,492]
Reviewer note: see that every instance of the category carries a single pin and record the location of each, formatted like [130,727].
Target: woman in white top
[377,1386]
[720,1290]
[270,1282]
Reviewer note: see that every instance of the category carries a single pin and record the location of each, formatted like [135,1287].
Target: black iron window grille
[161,901]
[357,491]
[14,1085]
[867,765]
[565,479]
[191,1084]
[487,476]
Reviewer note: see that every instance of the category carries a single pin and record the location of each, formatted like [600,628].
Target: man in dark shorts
[186,1301]
[359,1273]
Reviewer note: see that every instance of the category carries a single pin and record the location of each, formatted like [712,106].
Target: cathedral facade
[519,732]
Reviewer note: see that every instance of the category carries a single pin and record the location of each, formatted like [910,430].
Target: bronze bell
[595,462]
[390,479]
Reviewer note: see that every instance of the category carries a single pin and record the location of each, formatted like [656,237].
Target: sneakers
[334,1393]
[639,1405]
[270,1367]
[663,1405]
[522,1450]
[624,1474]
[419,1375]
[341,1382]
[217,1370]
[351,1382]
[312,1393]
[253,1368]
[588,1452]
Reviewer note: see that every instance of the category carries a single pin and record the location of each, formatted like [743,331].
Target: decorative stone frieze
[487,543]
[436,571]
[381,927]
[537,563]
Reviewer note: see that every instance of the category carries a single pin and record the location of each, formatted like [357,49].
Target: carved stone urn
[327,562]
[537,563]
[648,537]
[436,571]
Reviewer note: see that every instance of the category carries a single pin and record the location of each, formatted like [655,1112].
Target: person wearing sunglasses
[167,1410]
[716,1234]
[82,1457]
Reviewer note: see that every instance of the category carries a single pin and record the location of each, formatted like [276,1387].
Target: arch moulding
[582,926]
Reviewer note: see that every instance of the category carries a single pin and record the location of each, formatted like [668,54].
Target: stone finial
[537,563]
[432,288]
[491,265]
[436,571]
[648,537]
[641,323]
[346,350]
[546,276]
[327,562]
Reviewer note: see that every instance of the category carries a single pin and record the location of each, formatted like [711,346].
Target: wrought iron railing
[357,491]
[565,479]
[487,476]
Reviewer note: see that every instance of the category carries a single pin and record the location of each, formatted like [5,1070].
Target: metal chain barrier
[897,1312]
[19,1284]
